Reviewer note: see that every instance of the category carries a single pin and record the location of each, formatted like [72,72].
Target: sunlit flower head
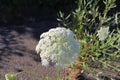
[58,46]
[103,33]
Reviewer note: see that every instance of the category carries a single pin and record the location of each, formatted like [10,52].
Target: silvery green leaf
[68,16]
[59,19]
[10,76]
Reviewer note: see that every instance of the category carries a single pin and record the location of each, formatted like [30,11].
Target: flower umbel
[103,33]
[58,46]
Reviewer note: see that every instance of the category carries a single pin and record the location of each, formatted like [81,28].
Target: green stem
[116,69]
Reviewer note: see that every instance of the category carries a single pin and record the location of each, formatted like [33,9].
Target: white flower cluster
[103,33]
[58,46]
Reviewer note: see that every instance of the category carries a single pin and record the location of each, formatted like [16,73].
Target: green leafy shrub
[88,17]
[86,21]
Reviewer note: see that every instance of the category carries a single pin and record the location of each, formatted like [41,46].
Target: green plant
[101,54]
[85,21]
[88,18]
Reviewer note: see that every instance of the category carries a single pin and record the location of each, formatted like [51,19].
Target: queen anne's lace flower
[58,46]
[103,33]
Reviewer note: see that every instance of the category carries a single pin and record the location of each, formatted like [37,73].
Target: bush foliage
[86,21]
